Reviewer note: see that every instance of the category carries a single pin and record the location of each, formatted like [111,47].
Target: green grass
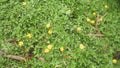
[22,17]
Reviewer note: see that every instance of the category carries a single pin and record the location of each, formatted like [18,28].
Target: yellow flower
[24,3]
[78,29]
[114,61]
[61,49]
[82,46]
[50,31]
[68,11]
[101,19]
[29,35]
[20,43]
[92,21]
[49,46]
[88,19]
[94,13]
[48,25]
[46,50]
[106,6]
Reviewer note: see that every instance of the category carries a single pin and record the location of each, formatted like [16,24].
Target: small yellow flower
[48,25]
[92,21]
[106,6]
[46,50]
[68,11]
[82,46]
[88,19]
[101,19]
[20,43]
[24,3]
[61,49]
[78,29]
[50,31]
[94,13]
[114,61]
[29,35]
[49,46]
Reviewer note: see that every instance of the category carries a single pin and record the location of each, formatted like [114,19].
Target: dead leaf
[69,57]
[12,56]
[1,52]
[42,59]
[98,35]
[64,62]
[10,40]
[16,57]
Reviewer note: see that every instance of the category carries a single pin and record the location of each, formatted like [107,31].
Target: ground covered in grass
[59,33]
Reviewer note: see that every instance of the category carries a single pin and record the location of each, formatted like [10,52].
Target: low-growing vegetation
[59,33]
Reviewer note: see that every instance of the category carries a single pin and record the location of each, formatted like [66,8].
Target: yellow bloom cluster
[61,49]
[78,29]
[24,3]
[68,12]
[50,31]
[81,46]
[48,25]
[46,50]
[20,43]
[106,6]
[29,35]
[114,61]
[49,47]
[101,19]
[90,21]
[94,13]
